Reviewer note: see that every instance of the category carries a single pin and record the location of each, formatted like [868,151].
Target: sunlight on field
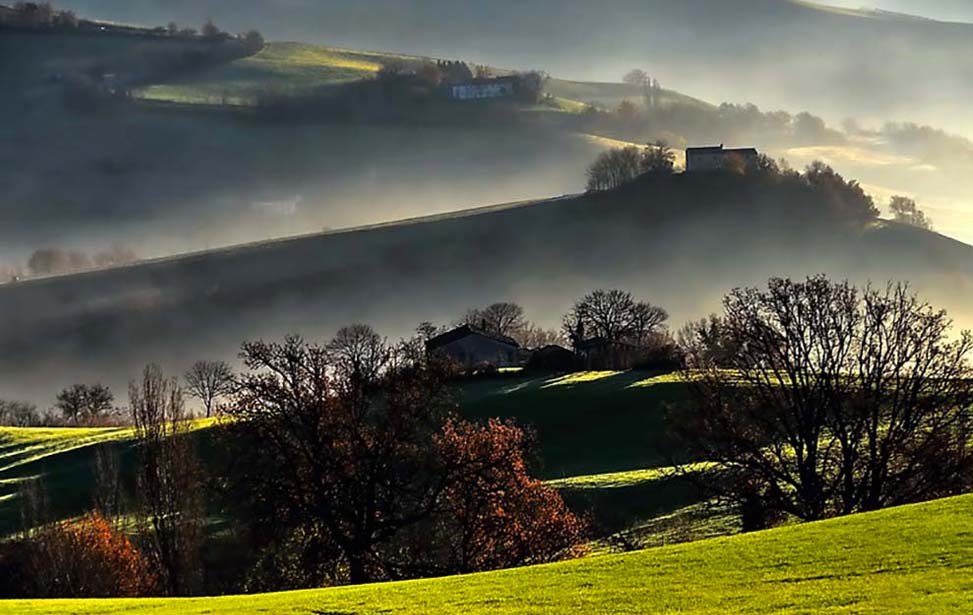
[673,377]
[913,559]
[617,480]
[579,378]
[23,445]
[292,66]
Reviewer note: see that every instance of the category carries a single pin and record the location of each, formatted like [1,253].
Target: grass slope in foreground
[914,559]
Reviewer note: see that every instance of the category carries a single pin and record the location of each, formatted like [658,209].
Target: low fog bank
[166,184]
[681,244]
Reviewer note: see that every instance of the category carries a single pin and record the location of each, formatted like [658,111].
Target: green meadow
[293,67]
[63,458]
[601,469]
[910,560]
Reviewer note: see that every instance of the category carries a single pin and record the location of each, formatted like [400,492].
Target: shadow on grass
[585,423]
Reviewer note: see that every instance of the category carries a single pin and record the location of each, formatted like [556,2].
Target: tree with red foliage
[348,481]
[497,515]
[84,558]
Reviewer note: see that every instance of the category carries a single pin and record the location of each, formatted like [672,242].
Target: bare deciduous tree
[169,514]
[906,211]
[503,318]
[358,354]
[82,403]
[658,158]
[636,76]
[614,168]
[108,486]
[614,315]
[208,381]
[835,400]
[19,414]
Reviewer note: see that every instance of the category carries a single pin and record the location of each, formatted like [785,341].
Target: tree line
[841,199]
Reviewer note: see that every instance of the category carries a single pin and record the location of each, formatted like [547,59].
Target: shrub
[84,558]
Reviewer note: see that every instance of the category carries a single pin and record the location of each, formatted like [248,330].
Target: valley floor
[914,559]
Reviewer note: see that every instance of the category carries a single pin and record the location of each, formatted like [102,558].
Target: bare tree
[82,403]
[906,211]
[534,336]
[614,315]
[834,400]
[636,76]
[208,381]
[503,318]
[614,168]
[358,354]
[658,158]
[19,414]
[108,486]
[169,515]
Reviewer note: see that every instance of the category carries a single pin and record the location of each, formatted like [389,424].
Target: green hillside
[63,458]
[915,559]
[293,67]
[624,412]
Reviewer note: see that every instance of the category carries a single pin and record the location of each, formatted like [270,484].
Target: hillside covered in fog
[681,241]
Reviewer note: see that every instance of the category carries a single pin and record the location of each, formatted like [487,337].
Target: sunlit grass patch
[670,378]
[294,67]
[617,480]
[580,377]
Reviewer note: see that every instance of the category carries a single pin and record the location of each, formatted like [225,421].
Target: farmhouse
[720,159]
[552,358]
[471,347]
[479,89]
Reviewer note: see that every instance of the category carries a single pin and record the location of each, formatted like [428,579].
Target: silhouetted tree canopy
[348,483]
[615,316]
[905,211]
[833,400]
[81,403]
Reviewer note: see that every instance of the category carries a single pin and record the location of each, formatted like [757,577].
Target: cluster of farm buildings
[472,348]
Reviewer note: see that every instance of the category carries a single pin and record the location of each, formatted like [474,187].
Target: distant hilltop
[44,17]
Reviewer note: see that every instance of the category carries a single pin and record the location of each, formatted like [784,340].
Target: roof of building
[719,149]
[552,349]
[466,331]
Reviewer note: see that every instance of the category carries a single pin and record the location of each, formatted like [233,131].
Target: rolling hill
[911,560]
[681,242]
[777,53]
[628,434]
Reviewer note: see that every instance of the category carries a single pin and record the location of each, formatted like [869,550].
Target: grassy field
[302,68]
[622,414]
[293,67]
[910,560]
[63,458]
[626,436]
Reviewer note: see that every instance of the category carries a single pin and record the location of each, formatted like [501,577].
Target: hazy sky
[951,10]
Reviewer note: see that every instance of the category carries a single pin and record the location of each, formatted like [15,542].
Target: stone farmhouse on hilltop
[699,159]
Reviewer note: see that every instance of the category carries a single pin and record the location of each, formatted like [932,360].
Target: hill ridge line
[252,245]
